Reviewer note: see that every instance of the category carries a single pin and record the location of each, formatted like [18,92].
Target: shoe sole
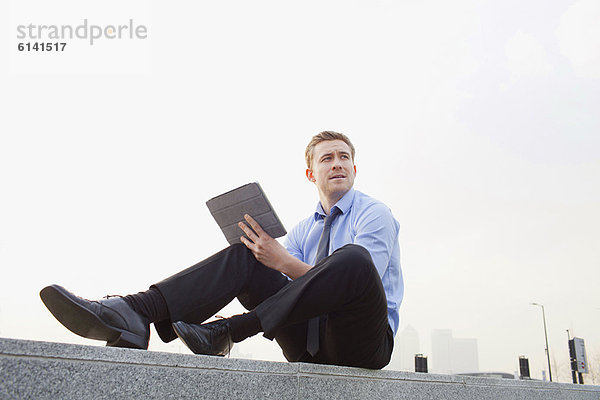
[85,323]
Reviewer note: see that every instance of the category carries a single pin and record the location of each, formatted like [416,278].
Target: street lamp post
[546,335]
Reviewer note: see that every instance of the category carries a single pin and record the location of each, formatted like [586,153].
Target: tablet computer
[229,208]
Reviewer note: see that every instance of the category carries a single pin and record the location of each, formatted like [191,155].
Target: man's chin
[340,190]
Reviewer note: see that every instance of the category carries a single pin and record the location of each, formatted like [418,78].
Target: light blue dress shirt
[363,221]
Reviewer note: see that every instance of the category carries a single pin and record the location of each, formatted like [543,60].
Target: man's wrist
[294,268]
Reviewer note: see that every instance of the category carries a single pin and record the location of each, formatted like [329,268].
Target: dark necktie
[312,335]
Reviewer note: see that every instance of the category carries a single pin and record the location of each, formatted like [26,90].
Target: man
[330,296]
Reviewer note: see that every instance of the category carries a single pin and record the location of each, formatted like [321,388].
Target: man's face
[332,169]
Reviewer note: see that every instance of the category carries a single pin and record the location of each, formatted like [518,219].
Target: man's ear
[355,170]
[309,175]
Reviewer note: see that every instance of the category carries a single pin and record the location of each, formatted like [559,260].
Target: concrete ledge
[42,370]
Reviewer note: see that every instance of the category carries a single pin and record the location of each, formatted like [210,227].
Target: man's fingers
[249,232]
[247,242]
[257,228]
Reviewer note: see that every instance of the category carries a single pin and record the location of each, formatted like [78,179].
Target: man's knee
[355,253]
[239,251]
[238,247]
[353,258]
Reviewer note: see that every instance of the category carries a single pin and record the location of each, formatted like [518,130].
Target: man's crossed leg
[344,290]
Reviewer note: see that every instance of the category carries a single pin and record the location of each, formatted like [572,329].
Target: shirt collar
[344,204]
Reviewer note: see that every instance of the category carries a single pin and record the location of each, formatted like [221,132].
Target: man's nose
[337,163]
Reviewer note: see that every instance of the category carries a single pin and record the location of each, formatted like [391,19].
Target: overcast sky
[476,122]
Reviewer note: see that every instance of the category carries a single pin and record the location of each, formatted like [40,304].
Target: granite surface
[41,370]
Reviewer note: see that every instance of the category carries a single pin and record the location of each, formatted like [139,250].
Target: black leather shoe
[211,339]
[110,319]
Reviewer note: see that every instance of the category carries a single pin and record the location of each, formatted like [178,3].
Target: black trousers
[344,289]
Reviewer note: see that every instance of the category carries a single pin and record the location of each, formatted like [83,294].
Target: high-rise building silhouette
[406,346]
[451,355]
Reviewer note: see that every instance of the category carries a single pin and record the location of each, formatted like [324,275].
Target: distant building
[406,346]
[465,357]
[451,355]
[409,346]
[441,343]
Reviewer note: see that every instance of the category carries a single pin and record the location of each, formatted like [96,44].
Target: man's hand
[269,251]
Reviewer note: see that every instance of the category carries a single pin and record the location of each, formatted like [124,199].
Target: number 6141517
[42,46]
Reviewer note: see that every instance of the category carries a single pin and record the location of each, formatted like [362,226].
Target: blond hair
[321,137]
